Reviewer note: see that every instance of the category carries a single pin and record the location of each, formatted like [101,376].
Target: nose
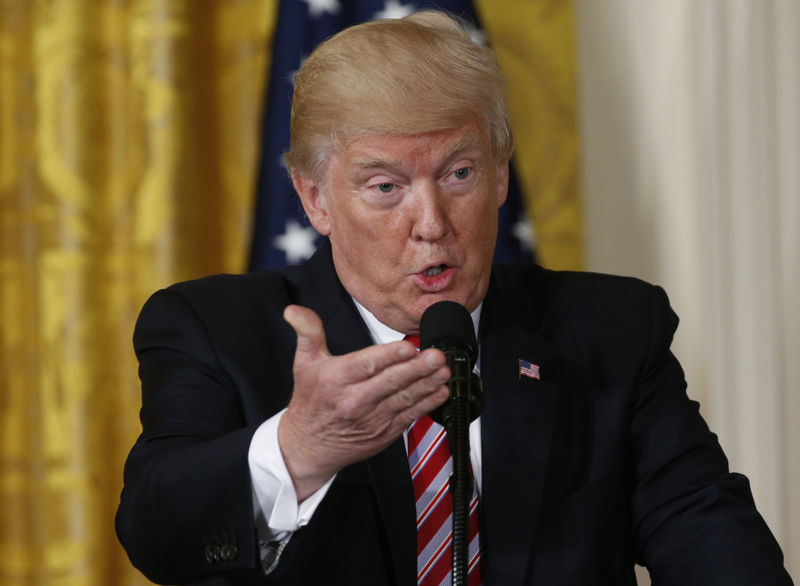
[428,214]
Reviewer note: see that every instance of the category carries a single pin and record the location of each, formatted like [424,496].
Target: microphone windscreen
[447,325]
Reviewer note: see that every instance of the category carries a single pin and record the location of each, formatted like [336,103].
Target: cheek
[479,221]
[372,245]
[479,236]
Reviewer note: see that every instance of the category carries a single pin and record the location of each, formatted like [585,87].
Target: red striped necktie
[431,466]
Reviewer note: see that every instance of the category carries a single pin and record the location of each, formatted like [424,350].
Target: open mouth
[436,278]
[433,271]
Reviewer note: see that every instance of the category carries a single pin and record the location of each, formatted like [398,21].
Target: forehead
[400,150]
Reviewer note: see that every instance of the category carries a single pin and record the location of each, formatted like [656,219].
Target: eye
[462,173]
[385,187]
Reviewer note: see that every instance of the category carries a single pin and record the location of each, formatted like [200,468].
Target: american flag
[281,233]
[528,369]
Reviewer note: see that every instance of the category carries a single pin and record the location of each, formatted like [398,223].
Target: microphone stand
[462,407]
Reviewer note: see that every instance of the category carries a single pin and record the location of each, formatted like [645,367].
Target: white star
[282,163]
[297,242]
[523,231]
[317,8]
[393,9]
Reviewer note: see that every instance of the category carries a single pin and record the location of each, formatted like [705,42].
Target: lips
[435,278]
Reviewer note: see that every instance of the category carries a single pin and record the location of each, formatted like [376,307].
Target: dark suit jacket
[602,463]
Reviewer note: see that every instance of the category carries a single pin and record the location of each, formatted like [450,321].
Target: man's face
[412,219]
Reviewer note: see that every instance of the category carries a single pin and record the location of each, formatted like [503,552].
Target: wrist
[302,459]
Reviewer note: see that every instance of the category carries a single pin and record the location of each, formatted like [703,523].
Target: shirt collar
[383,334]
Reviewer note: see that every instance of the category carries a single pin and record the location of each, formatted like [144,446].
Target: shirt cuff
[274,496]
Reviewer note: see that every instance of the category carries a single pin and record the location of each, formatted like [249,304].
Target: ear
[313,200]
[502,182]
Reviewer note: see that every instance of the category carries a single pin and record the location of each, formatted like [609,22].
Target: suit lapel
[387,471]
[389,474]
[518,426]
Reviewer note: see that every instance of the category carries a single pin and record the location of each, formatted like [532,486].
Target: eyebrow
[463,144]
[375,163]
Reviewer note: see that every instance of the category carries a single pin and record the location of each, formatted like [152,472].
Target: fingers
[402,391]
[385,380]
[408,405]
[410,379]
[379,372]
[311,344]
[372,360]
[424,406]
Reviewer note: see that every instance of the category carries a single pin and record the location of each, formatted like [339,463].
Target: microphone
[447,325]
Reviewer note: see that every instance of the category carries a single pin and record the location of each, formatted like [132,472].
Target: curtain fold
[128,133]
[691,127]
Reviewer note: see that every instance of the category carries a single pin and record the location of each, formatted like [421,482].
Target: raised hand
[347,408]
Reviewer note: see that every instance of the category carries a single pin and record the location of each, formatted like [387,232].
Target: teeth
[433,271]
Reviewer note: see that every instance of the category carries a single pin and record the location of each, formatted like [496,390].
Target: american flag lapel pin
[528,369]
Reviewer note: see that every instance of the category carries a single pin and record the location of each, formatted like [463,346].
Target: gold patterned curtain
[128,139]
[128,135]
[535,43]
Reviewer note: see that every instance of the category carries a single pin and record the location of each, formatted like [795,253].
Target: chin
[448,296]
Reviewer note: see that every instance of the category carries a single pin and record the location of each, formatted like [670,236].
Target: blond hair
[421,73]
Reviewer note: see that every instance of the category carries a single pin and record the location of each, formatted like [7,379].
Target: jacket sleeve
[694,522]
[186,506]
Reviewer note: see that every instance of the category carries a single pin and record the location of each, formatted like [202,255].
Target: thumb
[311,344]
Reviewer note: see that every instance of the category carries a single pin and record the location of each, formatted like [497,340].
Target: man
[275,406]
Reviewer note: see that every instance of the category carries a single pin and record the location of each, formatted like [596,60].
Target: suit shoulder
[226,298]
[585,303]
[581,288]
[590,318]
[239,284]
